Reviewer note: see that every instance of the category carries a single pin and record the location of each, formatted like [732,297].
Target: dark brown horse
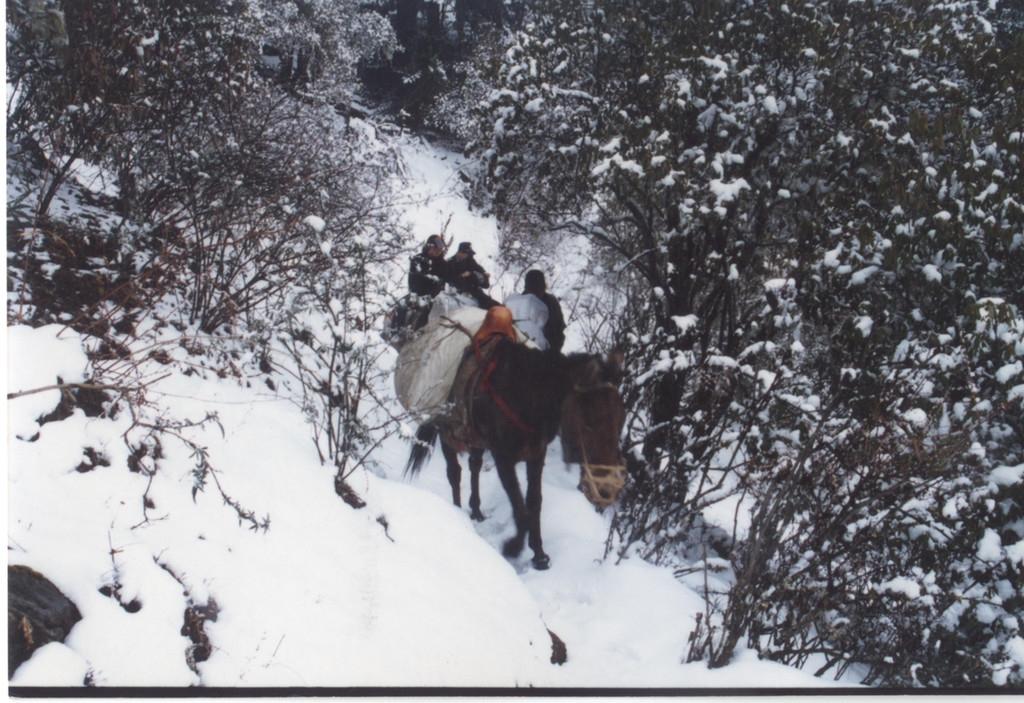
[512,400]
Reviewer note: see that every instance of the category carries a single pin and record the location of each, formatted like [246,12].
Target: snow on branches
[860,154]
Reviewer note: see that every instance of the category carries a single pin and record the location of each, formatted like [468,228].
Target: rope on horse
[455,325]
[489,366]
[601,483]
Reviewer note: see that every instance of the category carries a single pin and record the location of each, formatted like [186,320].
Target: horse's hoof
[541,562]
[512,548]
[477,516]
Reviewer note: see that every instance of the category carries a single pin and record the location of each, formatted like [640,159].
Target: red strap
[485,385]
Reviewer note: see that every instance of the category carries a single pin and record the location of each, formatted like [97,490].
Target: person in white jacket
[530,314]
[537,313]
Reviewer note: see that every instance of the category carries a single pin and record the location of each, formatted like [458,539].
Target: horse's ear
[589,371]
[615,365]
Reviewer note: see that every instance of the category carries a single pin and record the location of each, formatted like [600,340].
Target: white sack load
[428,363]
[448,302]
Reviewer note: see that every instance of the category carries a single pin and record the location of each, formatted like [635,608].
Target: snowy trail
[624,624]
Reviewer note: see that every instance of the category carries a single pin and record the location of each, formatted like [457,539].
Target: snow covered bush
[818,204]
[326,340]
[235,196]
[316,46]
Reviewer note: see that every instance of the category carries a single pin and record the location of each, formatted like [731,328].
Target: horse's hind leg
[451,459]
[507,473]
[534,470]
[476,461]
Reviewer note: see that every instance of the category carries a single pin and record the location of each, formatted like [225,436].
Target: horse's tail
[426,435]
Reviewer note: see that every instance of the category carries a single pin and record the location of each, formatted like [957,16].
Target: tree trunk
[406,20]
[433,12]
[461,15]
[491,10]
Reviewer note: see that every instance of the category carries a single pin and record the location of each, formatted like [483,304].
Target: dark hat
[466,247]
[436,239]
[534,281]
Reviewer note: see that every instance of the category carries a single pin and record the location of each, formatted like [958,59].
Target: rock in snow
[37,614]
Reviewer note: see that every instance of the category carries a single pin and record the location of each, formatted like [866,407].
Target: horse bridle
[614,472]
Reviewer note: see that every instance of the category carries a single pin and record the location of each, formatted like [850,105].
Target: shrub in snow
[214,172]
[212,167]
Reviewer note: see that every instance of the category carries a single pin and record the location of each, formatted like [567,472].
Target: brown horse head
[591,424]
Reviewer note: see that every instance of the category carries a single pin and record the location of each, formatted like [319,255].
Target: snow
[339,599]
[860,277]
[432,199]
[831,259]
[916,417]
[617,160]
[37,358]
[990,547]
[727,191]
[407,591]
[315,222]
[54,664]
[721,361]
[720,67]
[901,585]
[1005,373]
[931,273]
[333,588]
[1015,552]
[767,378]
[1007,475]
[685,323]
[1015,650]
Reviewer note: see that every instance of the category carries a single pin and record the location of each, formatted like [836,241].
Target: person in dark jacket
[554,328]
[428,270]
[467,276]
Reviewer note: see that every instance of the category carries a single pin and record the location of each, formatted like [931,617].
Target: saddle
[476,364]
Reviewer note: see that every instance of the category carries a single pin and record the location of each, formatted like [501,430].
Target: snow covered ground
[406,591]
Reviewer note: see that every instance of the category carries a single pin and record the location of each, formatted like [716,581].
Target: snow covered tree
[433,78]
[241,196]
[211,166]
[317,45]
[118,70]
[819,201]
[325,328]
